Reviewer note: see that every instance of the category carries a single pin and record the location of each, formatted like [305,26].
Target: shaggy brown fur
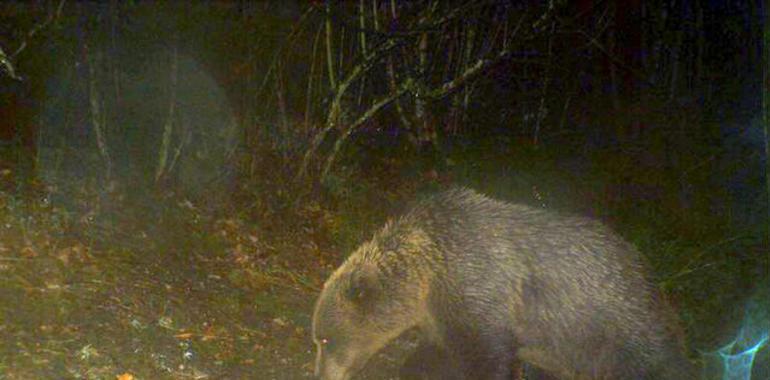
[488,283]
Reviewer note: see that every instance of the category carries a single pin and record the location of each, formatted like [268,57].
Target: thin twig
[542,111]
[615,61]
[309,95]
[37,28]
[329,52]
[97,113]
[362,22]
[432,27]
[470,73]
[295,32]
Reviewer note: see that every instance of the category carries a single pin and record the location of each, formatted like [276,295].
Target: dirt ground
[165,295]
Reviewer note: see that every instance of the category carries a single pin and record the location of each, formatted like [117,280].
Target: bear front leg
[483,356]
[429,362]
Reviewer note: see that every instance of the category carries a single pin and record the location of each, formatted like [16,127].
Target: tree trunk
[165,145]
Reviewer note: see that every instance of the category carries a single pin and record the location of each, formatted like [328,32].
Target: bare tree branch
[165,146]
[311,75]
[6,60]
[469,74]
[336,105]
[373,110]
[7,65]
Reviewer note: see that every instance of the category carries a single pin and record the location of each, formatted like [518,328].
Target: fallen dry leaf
[280,322]
[28,252]
[186,335]
[209,333]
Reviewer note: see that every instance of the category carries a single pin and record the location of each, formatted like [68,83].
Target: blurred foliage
[655,136]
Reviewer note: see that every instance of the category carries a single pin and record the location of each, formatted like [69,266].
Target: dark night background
[177,179]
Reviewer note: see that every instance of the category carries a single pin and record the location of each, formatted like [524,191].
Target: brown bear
[488,284]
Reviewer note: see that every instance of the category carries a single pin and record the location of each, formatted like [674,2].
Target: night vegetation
[177,179]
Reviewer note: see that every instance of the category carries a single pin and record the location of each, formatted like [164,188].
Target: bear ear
[363,287]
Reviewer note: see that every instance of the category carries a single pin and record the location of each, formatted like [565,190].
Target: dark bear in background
[488,284]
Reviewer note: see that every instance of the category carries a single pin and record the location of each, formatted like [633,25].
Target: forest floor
[170,294]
